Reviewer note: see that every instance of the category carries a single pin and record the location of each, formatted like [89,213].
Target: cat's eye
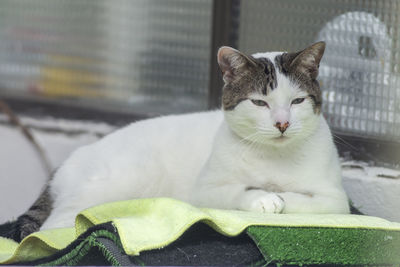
[298,101]
[260,103]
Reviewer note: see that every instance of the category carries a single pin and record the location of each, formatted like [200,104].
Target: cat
[269,149]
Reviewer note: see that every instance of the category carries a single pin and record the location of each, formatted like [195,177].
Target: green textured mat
[344,246]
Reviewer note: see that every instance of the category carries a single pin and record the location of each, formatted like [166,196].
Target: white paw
[262,201]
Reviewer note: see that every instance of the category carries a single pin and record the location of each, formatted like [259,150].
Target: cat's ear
[307,61]
[230,61]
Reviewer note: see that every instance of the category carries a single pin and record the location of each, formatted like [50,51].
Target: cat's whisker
[338,139]
[246,142]
[253,145]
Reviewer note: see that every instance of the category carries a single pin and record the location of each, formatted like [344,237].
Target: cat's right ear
[230,61]
[307,61]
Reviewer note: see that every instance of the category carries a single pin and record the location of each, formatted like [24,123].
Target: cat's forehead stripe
[279,61]
[269,70]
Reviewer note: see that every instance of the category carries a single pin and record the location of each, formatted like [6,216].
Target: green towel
[147,224]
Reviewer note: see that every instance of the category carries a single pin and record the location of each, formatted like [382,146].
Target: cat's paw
[262,201]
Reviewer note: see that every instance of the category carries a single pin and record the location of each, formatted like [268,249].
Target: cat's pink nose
[282,126]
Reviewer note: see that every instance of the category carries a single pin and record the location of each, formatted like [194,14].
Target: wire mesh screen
[145,56]
[359,74]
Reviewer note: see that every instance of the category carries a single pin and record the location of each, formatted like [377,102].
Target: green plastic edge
[81,250]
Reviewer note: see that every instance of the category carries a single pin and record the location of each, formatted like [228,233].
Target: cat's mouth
[281,139]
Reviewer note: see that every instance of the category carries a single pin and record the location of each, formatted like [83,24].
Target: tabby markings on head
[305,82]
[269,70]
[257,75]
[244,75]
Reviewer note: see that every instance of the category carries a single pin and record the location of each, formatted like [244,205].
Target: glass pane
[359,74]
[144,56]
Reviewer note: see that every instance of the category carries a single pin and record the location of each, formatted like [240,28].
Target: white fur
[233,160]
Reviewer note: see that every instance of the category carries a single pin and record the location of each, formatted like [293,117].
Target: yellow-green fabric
[7,248]
[36,245]
[146,224]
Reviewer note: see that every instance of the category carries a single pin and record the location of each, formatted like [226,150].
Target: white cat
[268,150]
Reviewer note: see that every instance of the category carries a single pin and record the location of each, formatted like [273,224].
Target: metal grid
[145,56]
[359,74]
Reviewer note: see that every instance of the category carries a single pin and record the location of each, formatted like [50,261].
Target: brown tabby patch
[305,82]
[257,76]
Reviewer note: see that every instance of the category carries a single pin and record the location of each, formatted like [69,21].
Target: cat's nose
[282,126]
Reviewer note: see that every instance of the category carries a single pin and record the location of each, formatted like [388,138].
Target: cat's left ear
[307,61]
[231,62]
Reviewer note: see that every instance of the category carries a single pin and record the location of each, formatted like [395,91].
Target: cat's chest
[280,170]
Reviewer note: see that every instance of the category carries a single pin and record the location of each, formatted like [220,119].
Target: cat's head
[272,98]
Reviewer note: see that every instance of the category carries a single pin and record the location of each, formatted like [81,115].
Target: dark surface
[201,245]
[354,210]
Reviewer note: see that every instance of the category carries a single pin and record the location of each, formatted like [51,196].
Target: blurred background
[73,71]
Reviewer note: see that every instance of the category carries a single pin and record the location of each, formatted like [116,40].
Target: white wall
[22,175]
[373,190]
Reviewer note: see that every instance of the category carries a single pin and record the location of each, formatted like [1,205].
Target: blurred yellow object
[59,81]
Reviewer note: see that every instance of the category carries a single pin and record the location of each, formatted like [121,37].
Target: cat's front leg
[336,202]
[260,201]
[237,196]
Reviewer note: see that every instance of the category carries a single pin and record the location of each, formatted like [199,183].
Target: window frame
[224,32]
